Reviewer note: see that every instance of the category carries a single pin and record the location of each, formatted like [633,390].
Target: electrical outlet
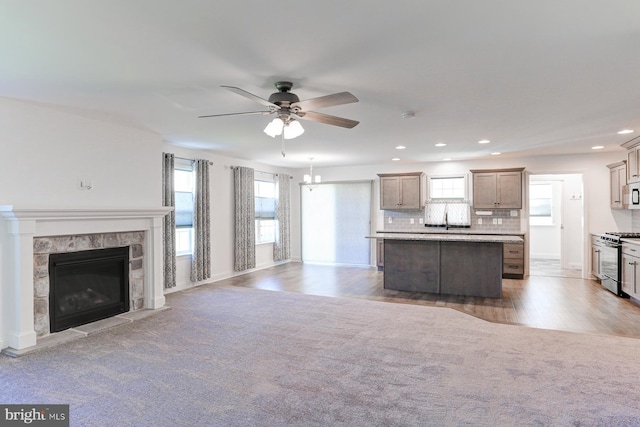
[412,221]
[479,221]
[390,220]
[495,221]
[420,220]
[499,221]
[514,213]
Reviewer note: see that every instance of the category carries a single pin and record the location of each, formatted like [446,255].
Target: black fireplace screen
[87,286]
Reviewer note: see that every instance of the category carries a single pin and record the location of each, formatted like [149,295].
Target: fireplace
[29,236]
[87,286]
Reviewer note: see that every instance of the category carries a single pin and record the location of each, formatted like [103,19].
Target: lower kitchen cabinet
[596,248]
[513,260]
[380,254]
[631,270]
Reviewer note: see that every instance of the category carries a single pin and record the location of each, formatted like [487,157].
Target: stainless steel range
[610,256]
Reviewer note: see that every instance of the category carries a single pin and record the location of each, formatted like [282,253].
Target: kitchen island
[454,264]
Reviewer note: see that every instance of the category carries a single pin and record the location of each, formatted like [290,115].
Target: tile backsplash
[401,221]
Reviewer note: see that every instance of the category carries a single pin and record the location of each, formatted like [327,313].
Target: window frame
[267,221]
[542,220]
[465,181]
[182,231]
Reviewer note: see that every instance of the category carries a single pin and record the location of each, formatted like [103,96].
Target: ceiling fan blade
[237,114]
[251,96]
[327,119]
[325,101]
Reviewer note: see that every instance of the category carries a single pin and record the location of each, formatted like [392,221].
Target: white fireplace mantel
[21,226]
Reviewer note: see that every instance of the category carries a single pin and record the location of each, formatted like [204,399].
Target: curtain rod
[191,160]
[255,170]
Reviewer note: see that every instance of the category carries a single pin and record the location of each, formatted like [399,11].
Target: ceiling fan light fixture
[293,130]
[274,128]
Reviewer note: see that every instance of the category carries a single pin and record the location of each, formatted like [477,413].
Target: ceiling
[535,78]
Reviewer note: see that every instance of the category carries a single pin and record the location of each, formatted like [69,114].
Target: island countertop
[491,238]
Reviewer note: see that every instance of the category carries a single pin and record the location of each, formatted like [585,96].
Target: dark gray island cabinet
[468,265]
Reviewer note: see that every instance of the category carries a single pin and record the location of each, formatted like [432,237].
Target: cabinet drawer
[510,266]
[632,250]
[513,251]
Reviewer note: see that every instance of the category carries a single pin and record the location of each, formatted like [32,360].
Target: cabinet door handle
[513,252]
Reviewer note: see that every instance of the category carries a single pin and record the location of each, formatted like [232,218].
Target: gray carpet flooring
[226,356]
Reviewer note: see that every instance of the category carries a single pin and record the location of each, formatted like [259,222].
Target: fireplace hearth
[87,286]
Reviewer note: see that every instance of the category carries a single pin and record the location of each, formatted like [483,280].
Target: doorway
[556,225]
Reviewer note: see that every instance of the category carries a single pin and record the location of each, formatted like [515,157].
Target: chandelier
[309,180]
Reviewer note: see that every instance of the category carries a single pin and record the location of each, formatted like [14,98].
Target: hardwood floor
[570,304]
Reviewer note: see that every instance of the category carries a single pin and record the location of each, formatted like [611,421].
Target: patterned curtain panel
[169,226]
[201,258]
[245,231]
[282,246]
[447,212]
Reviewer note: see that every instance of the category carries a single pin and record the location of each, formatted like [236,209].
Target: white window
[265,200]
[448,187]
[184,182]
[448,205]
[541,203]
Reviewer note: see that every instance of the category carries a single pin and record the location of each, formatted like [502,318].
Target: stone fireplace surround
[25,228]
[43,246]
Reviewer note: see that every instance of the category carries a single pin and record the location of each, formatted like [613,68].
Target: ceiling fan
[288,108]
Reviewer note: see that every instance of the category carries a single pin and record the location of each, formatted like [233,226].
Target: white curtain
[282,245]
[201,258]
[169,226]
[245,211]
[447,212]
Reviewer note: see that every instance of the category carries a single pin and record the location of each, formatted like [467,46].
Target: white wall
[46,151]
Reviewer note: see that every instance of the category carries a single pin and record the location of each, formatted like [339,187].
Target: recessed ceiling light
[597,147]
[440,144]
[395,159]
[446,159]
[400,147]
[625,131]
[497,153]
[484,141]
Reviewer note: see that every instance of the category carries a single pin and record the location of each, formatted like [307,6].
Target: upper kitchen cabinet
[618,173]
[497,188]
[633,160]
[401,190]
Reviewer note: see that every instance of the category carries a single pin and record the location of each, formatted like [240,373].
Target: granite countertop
[451,231]
[452,237]
[633,241]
